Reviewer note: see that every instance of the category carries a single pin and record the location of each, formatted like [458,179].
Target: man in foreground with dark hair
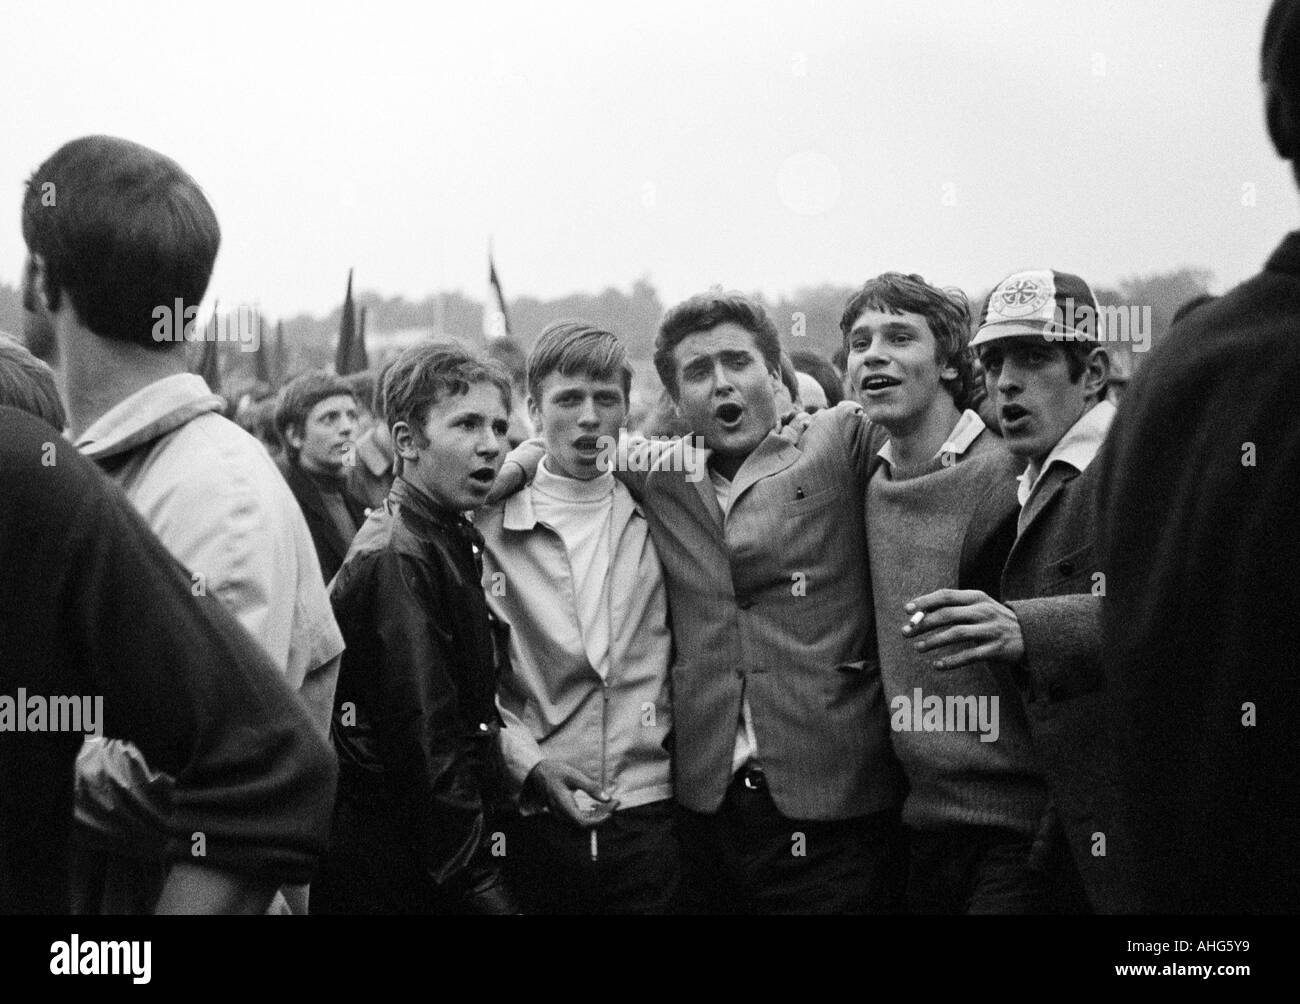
[93,608]
[1200,508]
[788,787]
[415,719]
[121,243]
[316,418]
[1046,371]
[941,514]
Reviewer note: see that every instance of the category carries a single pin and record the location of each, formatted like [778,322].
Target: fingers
[968,633]
[562,803]
[963,606]
[944,598]
[987,652]
[576,780]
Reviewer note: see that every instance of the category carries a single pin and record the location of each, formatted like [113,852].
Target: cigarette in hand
[915,619]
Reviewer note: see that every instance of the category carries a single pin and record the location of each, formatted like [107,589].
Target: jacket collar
[1076,448]
[411,499]
[148,414]
[519,513]
[1287,257]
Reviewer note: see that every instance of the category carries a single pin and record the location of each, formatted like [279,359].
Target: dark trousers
[372,867]
[747,858]
[637,868]
[973,869]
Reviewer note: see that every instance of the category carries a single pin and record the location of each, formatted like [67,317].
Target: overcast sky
[760,145]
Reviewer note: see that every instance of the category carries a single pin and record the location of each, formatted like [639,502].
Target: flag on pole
[496,322]
[347,332]
[262,357]
[280,362]
[357,359]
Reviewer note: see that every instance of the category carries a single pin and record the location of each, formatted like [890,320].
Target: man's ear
[39,282]
[1282,125]
[404,442]
[293,437]
[1096,373]
[534,413]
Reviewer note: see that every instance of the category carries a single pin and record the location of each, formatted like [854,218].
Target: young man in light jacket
[115,314]
[569,564]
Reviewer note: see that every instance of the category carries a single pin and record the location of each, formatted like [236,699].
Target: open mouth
[586,444]
[484,476]
[878,382]
[1013,416]
[729,414]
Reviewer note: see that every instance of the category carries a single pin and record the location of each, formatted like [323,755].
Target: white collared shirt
[1077,448]
[966,431]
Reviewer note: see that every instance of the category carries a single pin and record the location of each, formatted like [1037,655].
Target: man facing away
[121,242]
[783,771]
[316,418]
[415,720]
[93,609]
[570,566]
[1046,372]
[1200,513]
[941,511]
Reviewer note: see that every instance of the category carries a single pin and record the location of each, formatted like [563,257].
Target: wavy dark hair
[947,311]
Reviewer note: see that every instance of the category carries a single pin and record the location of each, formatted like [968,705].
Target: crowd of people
[940,630]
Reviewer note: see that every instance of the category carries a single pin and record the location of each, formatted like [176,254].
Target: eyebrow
[887,326]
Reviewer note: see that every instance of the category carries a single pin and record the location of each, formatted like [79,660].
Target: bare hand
[556,782]
[968,625]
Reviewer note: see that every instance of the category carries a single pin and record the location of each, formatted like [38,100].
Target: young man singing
[571,566]
[415,721]
[941,507]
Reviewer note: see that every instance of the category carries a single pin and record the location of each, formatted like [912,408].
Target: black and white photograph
[835,462]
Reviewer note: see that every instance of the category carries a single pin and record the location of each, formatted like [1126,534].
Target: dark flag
[357,359]
[347,332]
[280,361]
[262,357]
[496,321]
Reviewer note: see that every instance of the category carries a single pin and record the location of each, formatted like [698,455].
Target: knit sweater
[977,772]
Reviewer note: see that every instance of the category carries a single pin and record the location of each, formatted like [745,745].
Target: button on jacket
[415,722]
[554,703]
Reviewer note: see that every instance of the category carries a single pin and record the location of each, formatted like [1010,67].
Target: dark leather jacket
[415,720]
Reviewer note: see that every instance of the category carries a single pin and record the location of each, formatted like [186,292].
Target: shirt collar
[966,431]
[1076,448]
[150,412]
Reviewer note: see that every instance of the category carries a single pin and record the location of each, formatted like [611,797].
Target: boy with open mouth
[1047,377]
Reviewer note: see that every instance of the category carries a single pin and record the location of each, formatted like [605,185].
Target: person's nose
[875,356]
[588,419]
[489,443]
[721,381]
[1009,380]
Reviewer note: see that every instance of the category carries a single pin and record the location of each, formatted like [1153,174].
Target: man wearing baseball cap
[1046,370]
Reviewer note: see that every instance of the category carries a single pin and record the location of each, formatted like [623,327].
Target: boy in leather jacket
[415,721]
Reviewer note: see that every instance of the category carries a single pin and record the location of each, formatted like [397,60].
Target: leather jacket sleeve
[432,754]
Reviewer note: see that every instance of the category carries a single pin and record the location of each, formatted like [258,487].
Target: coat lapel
[1041,502]
[773,455]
